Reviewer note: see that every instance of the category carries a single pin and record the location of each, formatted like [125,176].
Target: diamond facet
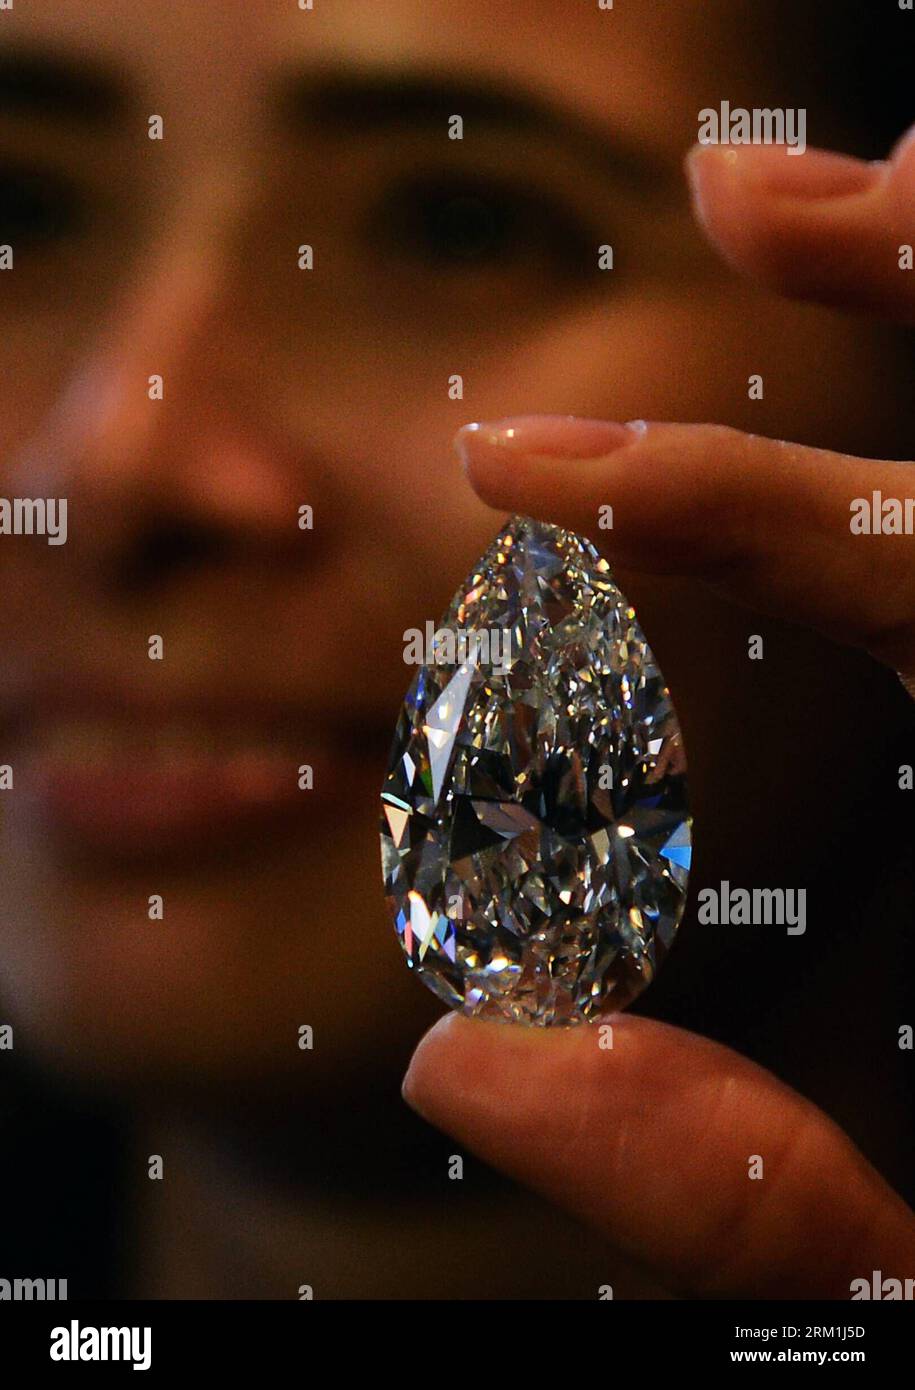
[535,837]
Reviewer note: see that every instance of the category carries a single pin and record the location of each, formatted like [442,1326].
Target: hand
[649,1142]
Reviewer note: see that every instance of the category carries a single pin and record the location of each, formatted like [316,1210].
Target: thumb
[653,1142]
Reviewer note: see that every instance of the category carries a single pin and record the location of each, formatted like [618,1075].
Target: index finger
[805,534]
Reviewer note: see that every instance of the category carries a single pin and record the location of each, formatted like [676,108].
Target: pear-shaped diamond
[535,835]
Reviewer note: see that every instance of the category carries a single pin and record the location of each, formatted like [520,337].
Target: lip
[126,777]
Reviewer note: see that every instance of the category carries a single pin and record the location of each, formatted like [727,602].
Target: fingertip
[424,1054]
[720,184]
[489,1077]
[706,166]
[446,1055]
[773,213]
[462,437]
[483,1071]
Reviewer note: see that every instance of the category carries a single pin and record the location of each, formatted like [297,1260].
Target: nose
[165,439]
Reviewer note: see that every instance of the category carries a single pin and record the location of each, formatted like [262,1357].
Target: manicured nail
[550,436]
[813,174]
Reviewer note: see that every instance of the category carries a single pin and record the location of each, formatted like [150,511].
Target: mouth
[123,783]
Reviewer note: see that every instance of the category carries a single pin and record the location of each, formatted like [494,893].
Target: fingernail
[551,436]
[432,1039]
[813,174]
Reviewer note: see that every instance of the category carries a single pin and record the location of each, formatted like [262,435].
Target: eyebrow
[39,84]
[351,101]
[345,100]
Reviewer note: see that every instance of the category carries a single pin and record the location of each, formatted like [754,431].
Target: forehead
[640,65]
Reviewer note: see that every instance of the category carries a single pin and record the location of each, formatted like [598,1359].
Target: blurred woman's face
[329,387]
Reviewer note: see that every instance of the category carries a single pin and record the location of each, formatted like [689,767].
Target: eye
[37,206]
[468,223]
